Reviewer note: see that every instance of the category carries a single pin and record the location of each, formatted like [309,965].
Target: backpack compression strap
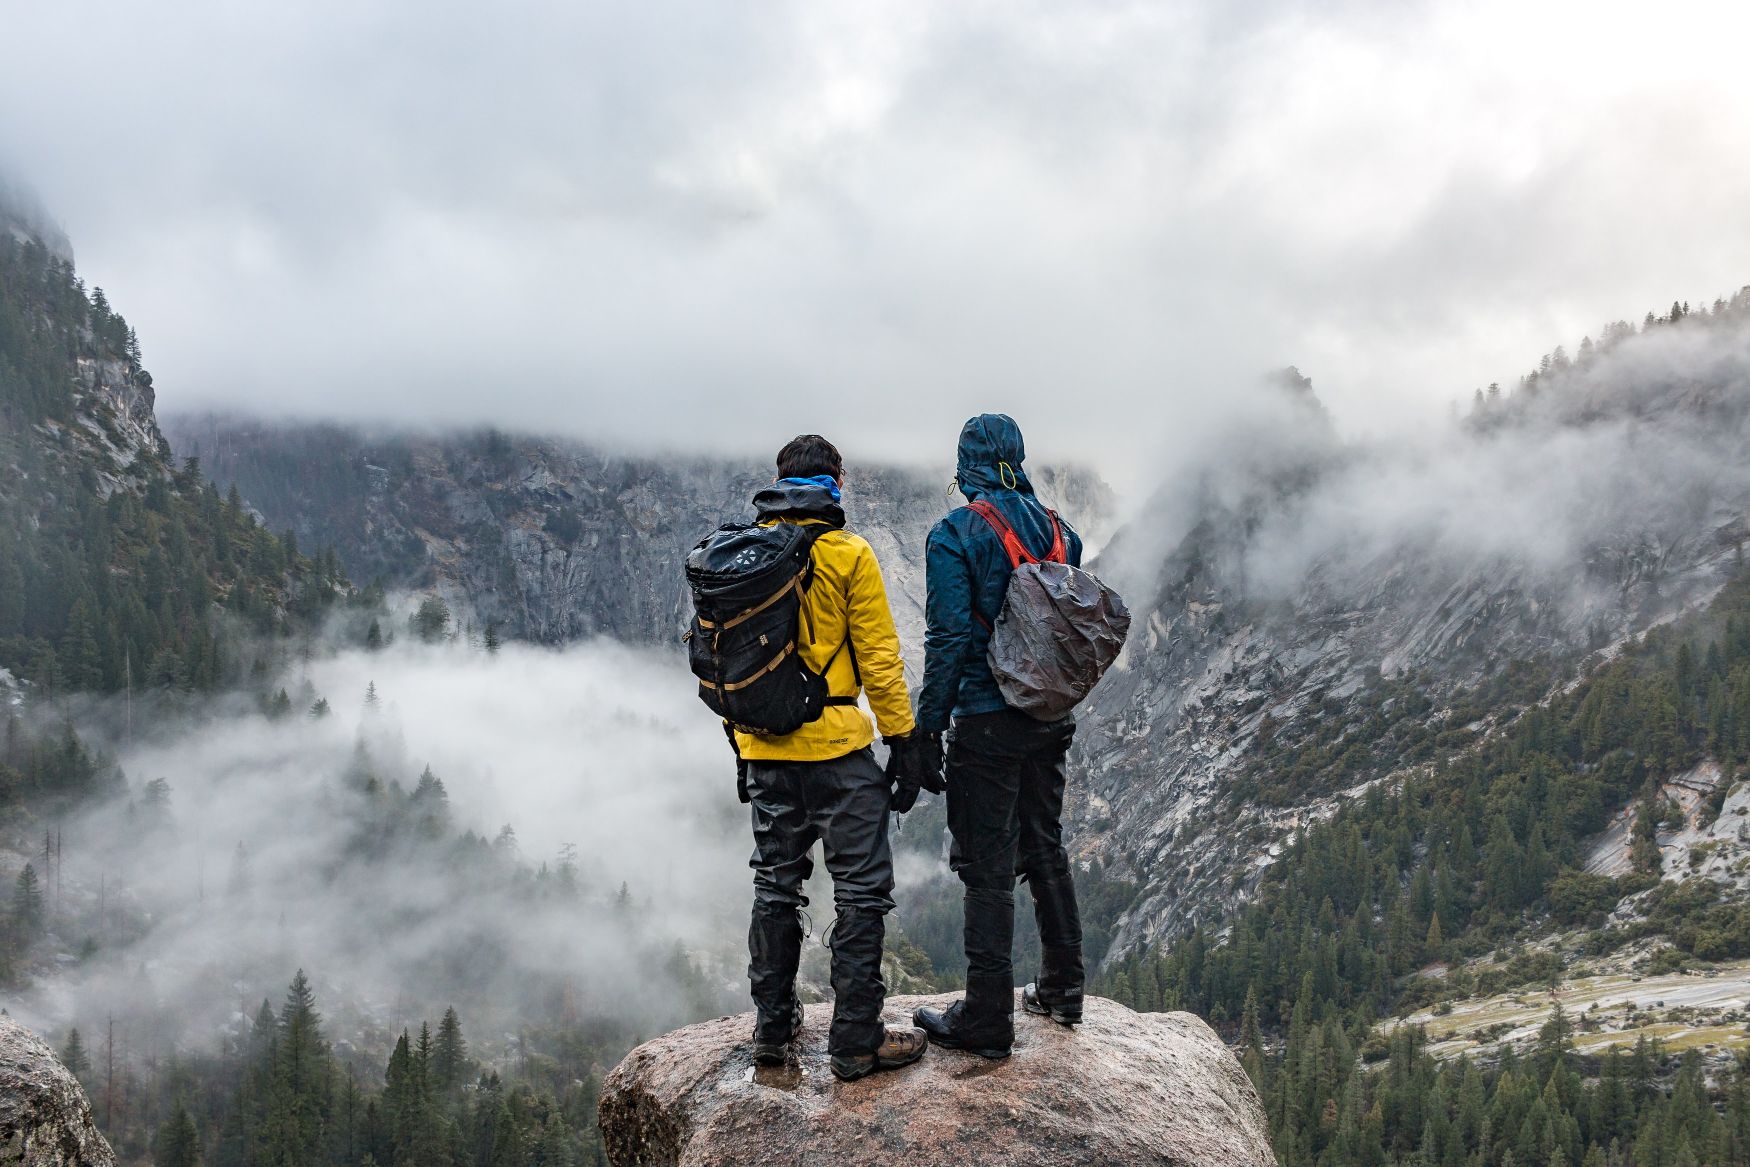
[1012,545]
[799,583]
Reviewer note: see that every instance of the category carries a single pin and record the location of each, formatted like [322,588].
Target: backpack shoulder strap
[814,532]
[1058,553]
[1012,545]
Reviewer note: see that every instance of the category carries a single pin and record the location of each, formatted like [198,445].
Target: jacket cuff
[932,723]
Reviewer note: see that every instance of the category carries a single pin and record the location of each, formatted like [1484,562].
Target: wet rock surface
[45,1118]
[1123,1088]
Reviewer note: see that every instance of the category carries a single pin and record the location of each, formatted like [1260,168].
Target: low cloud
[294,842]
[1586,480]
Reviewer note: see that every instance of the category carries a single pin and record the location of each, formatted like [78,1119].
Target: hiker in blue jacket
[1004,769]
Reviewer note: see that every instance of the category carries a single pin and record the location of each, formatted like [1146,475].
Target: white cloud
[680,223]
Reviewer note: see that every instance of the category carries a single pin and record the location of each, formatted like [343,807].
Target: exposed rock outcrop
[45,1118]
[1123,1088]
[1311,616]
[551,539]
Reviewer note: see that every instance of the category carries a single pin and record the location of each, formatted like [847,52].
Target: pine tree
[73,1055]
[432,620]
[430,803]
[178,1143]
[1644,851]
[302,1078]
[450,1055]
[27,904]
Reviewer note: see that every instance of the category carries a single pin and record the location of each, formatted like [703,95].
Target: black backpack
[748,628]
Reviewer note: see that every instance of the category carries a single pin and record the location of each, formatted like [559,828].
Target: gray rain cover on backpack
[1059,631]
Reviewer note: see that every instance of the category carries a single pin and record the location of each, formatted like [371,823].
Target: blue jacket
[968,572]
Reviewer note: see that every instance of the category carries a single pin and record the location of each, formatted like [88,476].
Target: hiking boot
[901,1047]
[776,1053]
[952,1028]
[1067,1011]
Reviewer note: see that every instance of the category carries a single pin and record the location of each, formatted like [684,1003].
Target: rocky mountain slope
[113,565]
[552,540]
[1319,605]
[105,423]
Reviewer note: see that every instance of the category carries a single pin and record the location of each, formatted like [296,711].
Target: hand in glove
[927,760]
[910,768]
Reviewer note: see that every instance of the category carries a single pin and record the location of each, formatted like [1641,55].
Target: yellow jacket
[847,598]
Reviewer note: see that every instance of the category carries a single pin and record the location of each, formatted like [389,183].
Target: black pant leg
[848,805]
[847,808]
[783,836]
[983,771]
[1044,864]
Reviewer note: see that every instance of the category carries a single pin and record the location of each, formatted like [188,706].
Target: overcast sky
[716,224]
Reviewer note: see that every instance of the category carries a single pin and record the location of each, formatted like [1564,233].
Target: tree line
[111,575]
[1450,865]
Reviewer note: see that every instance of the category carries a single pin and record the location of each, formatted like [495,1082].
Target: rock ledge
[45,1118]
[1124,1088]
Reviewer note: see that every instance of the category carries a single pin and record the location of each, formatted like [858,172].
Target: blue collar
[821,480]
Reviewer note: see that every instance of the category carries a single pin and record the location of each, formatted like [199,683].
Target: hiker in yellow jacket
[822,782]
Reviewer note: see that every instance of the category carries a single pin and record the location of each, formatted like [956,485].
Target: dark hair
[808,456]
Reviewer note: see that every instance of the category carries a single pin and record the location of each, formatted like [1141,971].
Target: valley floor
[1608,1005]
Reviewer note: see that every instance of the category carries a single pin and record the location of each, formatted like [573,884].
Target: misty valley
[357,805]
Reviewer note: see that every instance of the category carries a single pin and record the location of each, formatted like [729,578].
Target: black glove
[910,767]
[927,751]
[905,787]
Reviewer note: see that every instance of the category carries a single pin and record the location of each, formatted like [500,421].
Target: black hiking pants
[843,804]
[1005,774]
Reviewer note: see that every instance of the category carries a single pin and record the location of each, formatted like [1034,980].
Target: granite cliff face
[1120,1089]
[548,539]
[112,432]
[1333,613]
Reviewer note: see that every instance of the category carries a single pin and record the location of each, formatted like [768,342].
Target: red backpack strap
[1057,554]
[1012,545]
[1017,550]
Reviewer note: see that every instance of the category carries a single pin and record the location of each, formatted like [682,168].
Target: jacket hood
[788,499]
[991,453]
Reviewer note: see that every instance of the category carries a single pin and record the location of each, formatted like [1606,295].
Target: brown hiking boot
[902,1047]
